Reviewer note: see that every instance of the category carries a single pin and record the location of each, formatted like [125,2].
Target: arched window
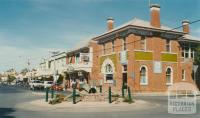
[108,68]
[169,75]
[143,76]
[109,72]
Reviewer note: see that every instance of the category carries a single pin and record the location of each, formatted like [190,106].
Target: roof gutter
[136,27]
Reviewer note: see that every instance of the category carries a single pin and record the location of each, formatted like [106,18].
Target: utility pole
[54,68]
[149,3]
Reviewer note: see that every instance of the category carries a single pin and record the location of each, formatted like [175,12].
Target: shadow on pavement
[6,90]
[6,112]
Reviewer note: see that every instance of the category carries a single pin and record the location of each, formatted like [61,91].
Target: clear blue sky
[32,28]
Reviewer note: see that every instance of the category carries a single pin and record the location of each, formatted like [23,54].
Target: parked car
[48,84]
[36,84]
[57,87]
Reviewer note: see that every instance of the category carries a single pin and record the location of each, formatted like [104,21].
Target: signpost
[195,67]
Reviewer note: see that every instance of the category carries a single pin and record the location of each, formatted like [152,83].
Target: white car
[36,84]
[48,84]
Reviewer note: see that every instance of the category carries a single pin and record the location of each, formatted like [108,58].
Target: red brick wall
[155,18]
[156,82]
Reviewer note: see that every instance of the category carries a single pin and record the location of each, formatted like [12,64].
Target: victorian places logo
[182,98]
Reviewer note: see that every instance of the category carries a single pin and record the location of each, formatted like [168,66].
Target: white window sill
[169,84]
[169,52]
[107,54]
[108,81]
[136,50]
[144,84]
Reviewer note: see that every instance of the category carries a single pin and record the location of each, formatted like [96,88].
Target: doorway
[124,76]
[124,82]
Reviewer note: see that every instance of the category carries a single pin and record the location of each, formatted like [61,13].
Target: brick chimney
[155,15]
[186,28]
[110,23]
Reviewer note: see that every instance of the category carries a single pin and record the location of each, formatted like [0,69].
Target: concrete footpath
[41,105]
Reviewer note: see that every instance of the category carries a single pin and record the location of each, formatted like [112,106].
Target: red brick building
[145,55]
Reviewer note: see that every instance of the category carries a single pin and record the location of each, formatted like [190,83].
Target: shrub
[116,95]
[126,99]
[58,99]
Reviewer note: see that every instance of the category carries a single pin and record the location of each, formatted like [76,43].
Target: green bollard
[47,94]
[52,93]
[109,95]
[101,89]
[74,96]
[129,94]
[123,91]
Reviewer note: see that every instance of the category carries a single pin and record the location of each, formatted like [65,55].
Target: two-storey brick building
[145,55]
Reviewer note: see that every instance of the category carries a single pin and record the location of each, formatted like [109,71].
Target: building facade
[144,55]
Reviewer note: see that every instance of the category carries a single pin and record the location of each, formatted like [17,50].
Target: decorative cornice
[138,31]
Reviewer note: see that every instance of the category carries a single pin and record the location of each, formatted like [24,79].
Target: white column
[189,51]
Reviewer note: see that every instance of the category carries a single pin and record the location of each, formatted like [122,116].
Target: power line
[101,50]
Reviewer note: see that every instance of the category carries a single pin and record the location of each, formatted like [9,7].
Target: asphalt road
[10,96]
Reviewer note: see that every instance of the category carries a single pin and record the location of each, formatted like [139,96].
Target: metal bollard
[74,96]
[52,93]
[47,94]
[122,90]
[101,89]
[129,93]
[109,95]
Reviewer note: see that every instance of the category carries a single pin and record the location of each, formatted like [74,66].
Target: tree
[197,62]
[10,78]
[24,71]
[197,56]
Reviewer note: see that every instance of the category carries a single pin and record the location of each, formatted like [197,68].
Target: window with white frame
[113,45]
[143,75]
[188,51]
[168,45]
[192,53]
[169,75]
[183,74]
[183,53]
[143,43]
[109,72]
[124,43]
